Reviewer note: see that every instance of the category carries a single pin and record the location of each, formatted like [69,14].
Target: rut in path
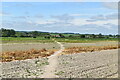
[50,69]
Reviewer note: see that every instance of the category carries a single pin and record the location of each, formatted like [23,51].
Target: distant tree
[117,36]
[7,32]
[48,37]
[71,36]
[100,35]
[61,35]
[110,35]
[12,33]
[21,34]
[82,36]
[93,36]
[34,34]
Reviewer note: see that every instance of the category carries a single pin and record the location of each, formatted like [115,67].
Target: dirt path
[50,69]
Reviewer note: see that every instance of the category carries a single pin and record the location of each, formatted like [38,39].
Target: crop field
[45,40]
[59,58]
[25,40]
[27,51]
[83,40]
[98,64]
[28,46]
[59,40]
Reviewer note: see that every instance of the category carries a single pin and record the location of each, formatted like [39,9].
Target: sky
[75,17]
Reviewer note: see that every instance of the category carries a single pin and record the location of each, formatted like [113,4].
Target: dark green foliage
[61,35]
[47,35]
[7,33]
[34,34]
[82,36]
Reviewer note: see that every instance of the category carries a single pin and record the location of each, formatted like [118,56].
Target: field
[59,58]
[25,40]
[28,46]
[59,40]
[103,64]
[83,40]
[44,40]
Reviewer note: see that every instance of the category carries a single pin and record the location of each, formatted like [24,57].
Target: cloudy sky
[77,17]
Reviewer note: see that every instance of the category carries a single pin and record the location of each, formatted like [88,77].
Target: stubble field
[90,64]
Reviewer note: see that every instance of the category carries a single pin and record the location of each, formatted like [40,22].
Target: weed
[27,71]
[59,73]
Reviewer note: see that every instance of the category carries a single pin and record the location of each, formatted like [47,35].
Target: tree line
[13,33]
[34,34]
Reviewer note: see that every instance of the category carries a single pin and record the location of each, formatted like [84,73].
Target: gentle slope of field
[29,51]
[101,64]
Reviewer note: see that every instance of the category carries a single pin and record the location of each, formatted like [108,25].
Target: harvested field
[30,68]
[99,64]
[96,62]
[103,64]
[103,43]
[35,53]
[28,46]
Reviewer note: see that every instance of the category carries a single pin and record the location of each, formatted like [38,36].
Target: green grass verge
[25,40]
[83,40]
[44,40]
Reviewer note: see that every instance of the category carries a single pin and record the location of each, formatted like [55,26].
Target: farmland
[83,40]
[59,40]
[12,36]
[44,40]
[25,40]
[59,55]
[97,64]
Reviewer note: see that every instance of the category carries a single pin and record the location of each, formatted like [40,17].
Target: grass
[59,73]
[44,40]
[84,40]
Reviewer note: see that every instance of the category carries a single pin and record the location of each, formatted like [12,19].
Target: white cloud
[75,15]
[111,5]
[103,17]
[84,21]
[65,18]
[4,14]
[66,23]
[45,22]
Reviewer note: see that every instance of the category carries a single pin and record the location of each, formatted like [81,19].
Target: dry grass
[72,50]
[31,54]
[22,55]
